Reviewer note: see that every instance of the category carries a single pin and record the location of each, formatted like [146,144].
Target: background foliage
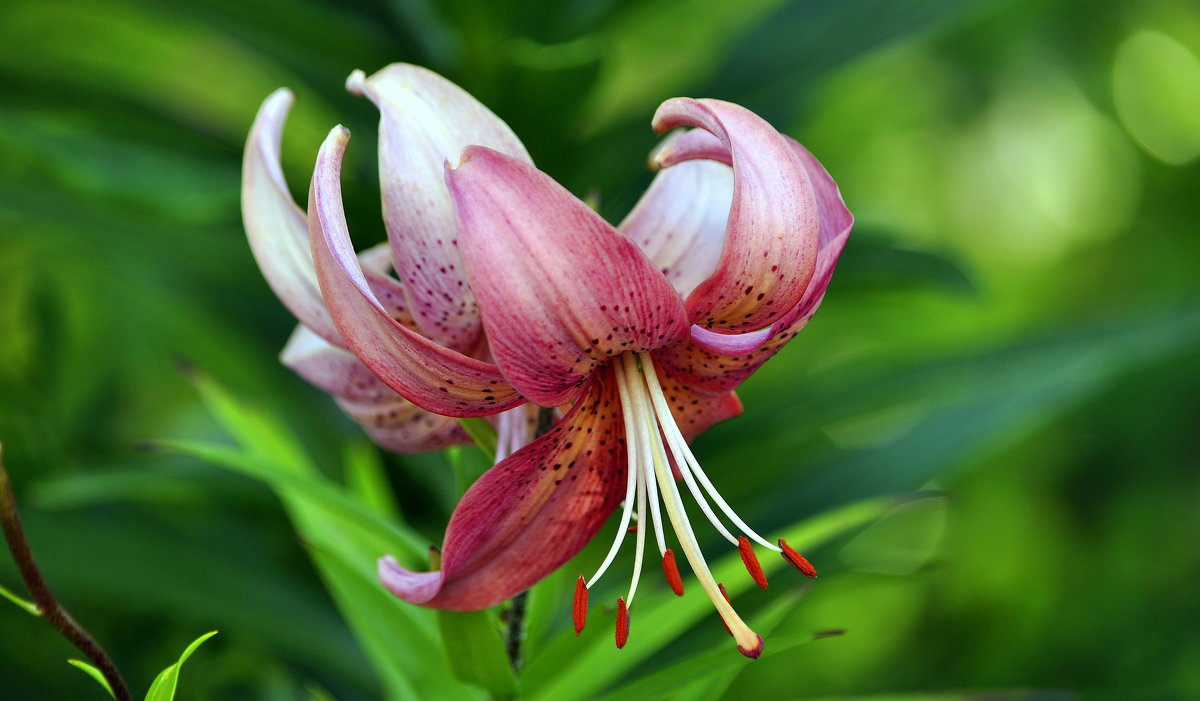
[1009,350]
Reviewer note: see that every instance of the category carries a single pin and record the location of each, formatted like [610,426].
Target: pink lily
[425,119]
[640,332]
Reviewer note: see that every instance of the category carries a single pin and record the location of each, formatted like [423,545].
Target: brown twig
[48,606]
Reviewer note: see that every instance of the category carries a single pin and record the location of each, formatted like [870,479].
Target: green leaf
[94,673]
[163,688]
[365,479]
[26,604]
[476,653]
[467,463]
[482,433]
[344,537]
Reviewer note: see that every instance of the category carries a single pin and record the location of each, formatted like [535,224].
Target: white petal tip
[356,83]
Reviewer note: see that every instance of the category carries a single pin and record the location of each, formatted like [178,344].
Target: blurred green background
[1012,340]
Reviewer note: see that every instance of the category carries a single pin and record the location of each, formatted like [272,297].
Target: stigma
[655,444]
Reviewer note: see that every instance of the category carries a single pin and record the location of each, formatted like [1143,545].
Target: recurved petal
[559,288]
[680,222]
[836,221]
[429,375]
[275,225]
[425,120]
[771,235]
[716,363]
[529,514]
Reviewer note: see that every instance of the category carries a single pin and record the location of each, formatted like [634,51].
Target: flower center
[650,435]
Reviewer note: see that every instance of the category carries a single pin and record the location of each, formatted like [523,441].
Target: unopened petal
[529,514]
[427,374]
[425,120]
[771,235]
[275,225]
[559,288]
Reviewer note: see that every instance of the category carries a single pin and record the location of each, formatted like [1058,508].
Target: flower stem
[48,606]
[516,612]
[516,628]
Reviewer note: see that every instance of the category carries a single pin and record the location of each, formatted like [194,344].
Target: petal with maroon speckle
[425,120]
[771,234]
[392,422]
[560,290]
[427,374]
[836,222]
[530,513]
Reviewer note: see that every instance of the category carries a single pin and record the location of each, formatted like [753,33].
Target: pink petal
[427,374]
[694,412]
[717,363]
[529,514]
[560,289]
[424,120]
[275,226]
[680,222]
[403,427]
[771,237]
[393,422]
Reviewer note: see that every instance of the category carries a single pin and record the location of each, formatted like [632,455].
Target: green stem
[48,606]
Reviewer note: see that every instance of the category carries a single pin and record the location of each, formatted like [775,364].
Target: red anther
[752,652]
[750,560]
[622,623]
[725,594]
[672,572]
[798,561]
[579,609]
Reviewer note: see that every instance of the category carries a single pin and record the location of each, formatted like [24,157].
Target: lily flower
[424,120]
[640,333]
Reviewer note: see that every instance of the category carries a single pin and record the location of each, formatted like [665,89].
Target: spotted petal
[429,375]
[393,422]
[529,514]
[771,235]
[559,288]
[424,120]
[715,362]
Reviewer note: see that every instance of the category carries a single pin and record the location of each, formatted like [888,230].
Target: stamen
[797,560]
[686,461]
[750,560]
[579,610]
[672,572]
[748,641]
[622,623]
[640,549]
[725,593]
[632,467]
